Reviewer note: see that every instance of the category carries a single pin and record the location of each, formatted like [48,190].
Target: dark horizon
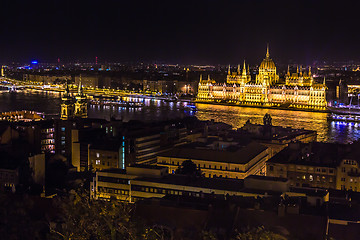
[184,32]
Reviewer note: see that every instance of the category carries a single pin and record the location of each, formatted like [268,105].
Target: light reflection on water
[237,116]
[160,110]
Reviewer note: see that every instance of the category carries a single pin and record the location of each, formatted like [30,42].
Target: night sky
[191,32]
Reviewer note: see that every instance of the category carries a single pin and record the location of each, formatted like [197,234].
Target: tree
[188,167]
[259,233]
[83,218]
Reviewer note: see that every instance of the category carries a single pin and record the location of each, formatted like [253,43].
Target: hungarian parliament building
[298,91]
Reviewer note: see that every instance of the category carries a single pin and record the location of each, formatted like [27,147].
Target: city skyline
[205,32]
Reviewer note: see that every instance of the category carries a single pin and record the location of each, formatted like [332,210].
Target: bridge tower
[80,103]
[67,105]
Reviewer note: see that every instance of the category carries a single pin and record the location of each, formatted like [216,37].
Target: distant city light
[34,62]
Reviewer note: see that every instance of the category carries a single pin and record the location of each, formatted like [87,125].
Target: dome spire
[80,86]
[229,70]
[267,51]
[244,69]
[67,90]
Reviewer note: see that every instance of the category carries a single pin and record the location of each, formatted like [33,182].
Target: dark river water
[49,103]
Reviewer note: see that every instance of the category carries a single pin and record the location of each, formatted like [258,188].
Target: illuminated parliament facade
[298,91]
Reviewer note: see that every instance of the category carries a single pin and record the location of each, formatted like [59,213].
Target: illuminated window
[304,177]
[311,178]
[97,162]
[97,155]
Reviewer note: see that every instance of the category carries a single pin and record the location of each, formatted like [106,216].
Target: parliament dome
[267,63]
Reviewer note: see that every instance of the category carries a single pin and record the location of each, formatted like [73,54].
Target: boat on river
[343,118]
[345,110]
[190,108]
[127,104]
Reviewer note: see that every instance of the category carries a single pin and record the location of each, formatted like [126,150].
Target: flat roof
[242,155]
[145,166]
[267,178]
[209,183]
[310,154]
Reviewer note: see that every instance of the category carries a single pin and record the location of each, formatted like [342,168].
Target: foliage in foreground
[86,219]
[259,233]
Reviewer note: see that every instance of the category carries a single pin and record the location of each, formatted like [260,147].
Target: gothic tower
[80,103]
[267,71]
[67,105]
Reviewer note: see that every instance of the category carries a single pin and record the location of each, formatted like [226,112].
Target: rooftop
[211,183]
[312,154]
[232,154]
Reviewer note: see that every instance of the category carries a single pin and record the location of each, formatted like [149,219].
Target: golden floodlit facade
[298,91]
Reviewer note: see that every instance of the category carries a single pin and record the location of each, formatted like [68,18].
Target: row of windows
[352,170]
[113,190]
[113,180]
[350,188]
[304,168]
[205,166]
[105,163]
[350,162]
[155,190]
[350,180]
[164,191]
[312,178]
[7,176]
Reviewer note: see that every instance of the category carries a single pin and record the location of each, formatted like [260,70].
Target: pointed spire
[267,51]
[248,69]
[67,91]
[80,86]
[324,83]
[288,71]
[310,71]
[301,70]
[238,70]
[244,69]
[200,77]
[297,69]
[229,72]
[208,77]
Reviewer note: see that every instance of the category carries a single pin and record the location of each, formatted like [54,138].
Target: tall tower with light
[67,105]
[80,103]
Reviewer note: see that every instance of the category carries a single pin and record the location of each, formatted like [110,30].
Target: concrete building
[106,155]
[322,165]
[37,164]
[223,161]
[146,182]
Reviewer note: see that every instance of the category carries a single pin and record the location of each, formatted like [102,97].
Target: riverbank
[265,107]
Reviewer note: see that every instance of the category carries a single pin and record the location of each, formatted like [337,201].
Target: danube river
[49,103]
